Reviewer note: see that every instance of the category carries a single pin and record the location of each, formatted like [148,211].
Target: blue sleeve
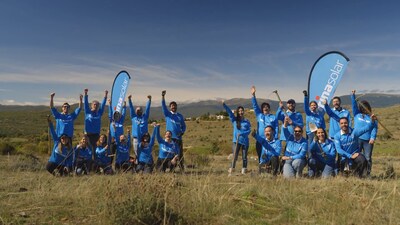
[86,103]
[307,106]
[53,132]
[183,127]
[110,112]
[360,131]
[286,133]
[354,105]
[339,148]
[55,113]
[230,113]
[129,140]
[331,114]
[147,111]
[123,115]
[76,113]
[374,131]
[152,139]
[101,110]
[256,108]
[276,124]
[298,123]
[131,109]
[279,114]
[259,139]
[312,147]
[165,109]
[159,138]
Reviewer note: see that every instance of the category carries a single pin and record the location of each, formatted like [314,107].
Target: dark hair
[238,118]
[145,135]
[298,127]
[365,107]
[323,131]
[338,98]
[313,102]
[172,103]
[265,104]
[344,118]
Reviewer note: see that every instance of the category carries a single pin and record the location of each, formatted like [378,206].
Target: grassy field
[204,194]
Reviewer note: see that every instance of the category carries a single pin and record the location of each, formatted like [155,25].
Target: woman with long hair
[241,131]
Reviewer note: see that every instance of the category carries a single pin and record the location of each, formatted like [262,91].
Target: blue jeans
[294,168]
[366,148]
[316,167]
[235,150]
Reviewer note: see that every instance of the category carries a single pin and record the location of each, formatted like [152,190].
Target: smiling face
[95,106]
[168,135]
[321,134]
[122,138]
[298,133]
[269,133]
[265,108]
[64,139]
[291,106]
[240,112]
[65,108]
[173,107]
[313,106]
[336,103]
[344,125]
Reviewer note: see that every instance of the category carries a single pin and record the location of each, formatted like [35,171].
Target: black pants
[55,168]
[258,150]
[272,165]
[124,166]
[181,158]
[358,166]
[93,138]
[146,168]
[163,164]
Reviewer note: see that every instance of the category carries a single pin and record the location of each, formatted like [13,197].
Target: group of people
[345,150]
[98,152]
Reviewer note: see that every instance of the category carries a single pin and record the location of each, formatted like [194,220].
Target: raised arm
[52,100]
[103,103]
[256,107]
[86,102]
[147,110]
[329,111]
[51,128]
[229,111]
[306,104]
[354,104]
[131,107]
[164,106]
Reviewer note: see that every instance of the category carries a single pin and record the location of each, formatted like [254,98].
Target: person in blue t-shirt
[83,156]
[103,153]
[61,158]
[241,131]
[64,119]
[93,118]
[144,153]
[175,123]
[264,118]
[322,156]
[122,156]
[362,116]
[168,151]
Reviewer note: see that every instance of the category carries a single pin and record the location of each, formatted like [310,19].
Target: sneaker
[244,170]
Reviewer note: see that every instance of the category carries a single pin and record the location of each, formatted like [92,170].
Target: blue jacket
[93,119]
[166,150]
[328,148]
[122,150]
[175,122]
[243,132]
[361,120]
[347,144]
[82,153]
[61,157]
[102,158]
[296,149]
[316,118]
[264,120]
[65,122]
[269,148]
[145,153]
[296,117]
[116,127]
[142,121]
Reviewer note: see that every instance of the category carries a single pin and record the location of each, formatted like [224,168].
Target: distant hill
[213,106]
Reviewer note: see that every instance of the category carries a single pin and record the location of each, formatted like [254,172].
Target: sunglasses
[298,131]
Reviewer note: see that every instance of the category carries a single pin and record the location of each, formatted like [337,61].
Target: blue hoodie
[269,148]
[93,119]
[175,122]
[142,121]
[328,148]
[65,122]
[296,149]
[360,120]
[145,153]
[264,120]
[243,132]
[316,118]
[116,127]
[167,150]
[296,118]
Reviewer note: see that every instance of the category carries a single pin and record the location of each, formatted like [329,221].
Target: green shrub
[6,148]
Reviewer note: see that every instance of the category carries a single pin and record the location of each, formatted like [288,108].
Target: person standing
[362,116]
[294,118]
[295,152]
[175,123]
[264,118]
[241,131]
[64,119]
[139,121]
[93,119]
[314,115]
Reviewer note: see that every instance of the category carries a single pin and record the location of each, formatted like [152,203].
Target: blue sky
[195,50]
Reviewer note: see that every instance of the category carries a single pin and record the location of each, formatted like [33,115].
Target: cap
[291,101]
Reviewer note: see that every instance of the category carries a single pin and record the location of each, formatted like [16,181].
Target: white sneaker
[244,170]
[231,170]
